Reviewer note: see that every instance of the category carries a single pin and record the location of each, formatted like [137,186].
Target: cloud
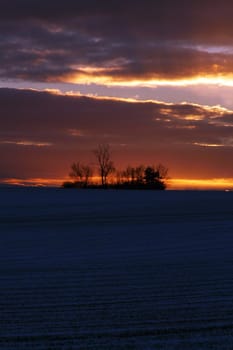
[26,143]
[113,42]
[208,144]
[73,125]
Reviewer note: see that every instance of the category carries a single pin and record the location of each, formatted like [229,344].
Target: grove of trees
[139,177]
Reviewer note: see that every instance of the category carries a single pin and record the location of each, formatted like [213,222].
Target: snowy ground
[116,270]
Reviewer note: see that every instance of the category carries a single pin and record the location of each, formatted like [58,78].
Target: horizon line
[172,184]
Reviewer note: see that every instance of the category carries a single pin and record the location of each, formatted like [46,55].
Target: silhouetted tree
[87,174]
[153,179]
[134,174]
[81,173]
[76,171]
[139,177]
[139,173]
[128,174]
[151,175]
[106,165]
[119,177]
[162,170]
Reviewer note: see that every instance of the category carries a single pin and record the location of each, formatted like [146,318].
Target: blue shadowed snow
[92,269]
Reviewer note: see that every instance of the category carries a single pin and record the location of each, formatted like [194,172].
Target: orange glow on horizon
[173,184]
[208,184]
[35,182]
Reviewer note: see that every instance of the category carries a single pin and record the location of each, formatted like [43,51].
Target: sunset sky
[154,79]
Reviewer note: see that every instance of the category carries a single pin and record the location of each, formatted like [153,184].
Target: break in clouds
[42,133]
[123,41]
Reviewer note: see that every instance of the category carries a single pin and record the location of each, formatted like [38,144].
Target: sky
[153,79]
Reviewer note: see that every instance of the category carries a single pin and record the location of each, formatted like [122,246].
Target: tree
[128,174]
[162,170]
[139,173]
[134,175]
[106,165]
[76,172]
[151,175]
[87,173]
[81,173]
[153,179]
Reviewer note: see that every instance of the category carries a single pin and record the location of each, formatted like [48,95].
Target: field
[116,270]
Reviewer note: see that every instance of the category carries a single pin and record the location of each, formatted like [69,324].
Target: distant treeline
[139,177]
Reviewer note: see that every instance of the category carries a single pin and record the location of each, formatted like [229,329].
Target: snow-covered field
[116,270]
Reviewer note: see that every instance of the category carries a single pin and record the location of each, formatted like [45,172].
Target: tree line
[139,177]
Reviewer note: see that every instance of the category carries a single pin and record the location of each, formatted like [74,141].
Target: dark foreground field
[116,270]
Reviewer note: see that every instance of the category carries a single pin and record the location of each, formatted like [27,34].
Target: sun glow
[208,144]
[173,184]
[102,76]
[201,184]
[35,182]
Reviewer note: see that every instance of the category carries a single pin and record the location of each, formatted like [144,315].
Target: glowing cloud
[99,76]
[207,144]
[27,143]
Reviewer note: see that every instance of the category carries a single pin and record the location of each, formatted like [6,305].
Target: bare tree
[119,177]
[106,166]
[127,174]
[162,171]
[134,174]
[87,173]
[139,173]
[81,173]
[76,171]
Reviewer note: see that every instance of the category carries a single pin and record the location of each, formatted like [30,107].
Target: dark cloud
[167,18]
[42,40]
[42,133]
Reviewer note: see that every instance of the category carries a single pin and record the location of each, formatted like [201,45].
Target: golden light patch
[35,182]
[193,117]
[42,182]
[215,184]
[208,144]
[103,76]
[166,111]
